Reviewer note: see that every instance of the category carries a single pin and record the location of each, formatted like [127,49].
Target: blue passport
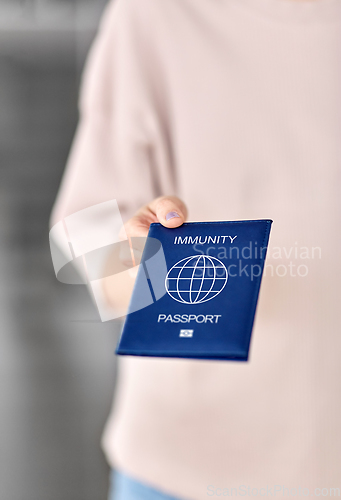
[196,291]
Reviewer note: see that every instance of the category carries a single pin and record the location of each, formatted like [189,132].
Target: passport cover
[196,291]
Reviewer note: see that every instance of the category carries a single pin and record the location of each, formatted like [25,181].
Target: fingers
[170,211]
[138,226]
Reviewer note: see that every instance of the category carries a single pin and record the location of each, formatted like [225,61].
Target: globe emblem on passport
[196,279]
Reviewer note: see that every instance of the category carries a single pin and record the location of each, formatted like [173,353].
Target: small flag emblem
[186,333]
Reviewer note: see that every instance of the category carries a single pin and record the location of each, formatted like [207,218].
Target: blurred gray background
[57,368]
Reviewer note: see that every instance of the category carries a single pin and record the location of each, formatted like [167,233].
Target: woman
[233,106]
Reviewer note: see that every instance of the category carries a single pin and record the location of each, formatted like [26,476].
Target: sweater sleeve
[120,153]
[117,151]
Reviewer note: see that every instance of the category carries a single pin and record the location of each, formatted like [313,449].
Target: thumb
[169,210]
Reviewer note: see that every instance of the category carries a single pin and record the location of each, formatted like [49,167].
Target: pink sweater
[235,106]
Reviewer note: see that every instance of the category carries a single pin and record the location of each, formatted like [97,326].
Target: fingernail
[172,215]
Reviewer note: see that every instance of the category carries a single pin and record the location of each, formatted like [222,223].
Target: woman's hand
[171,212]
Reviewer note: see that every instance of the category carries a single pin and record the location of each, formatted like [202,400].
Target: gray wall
[57,367]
